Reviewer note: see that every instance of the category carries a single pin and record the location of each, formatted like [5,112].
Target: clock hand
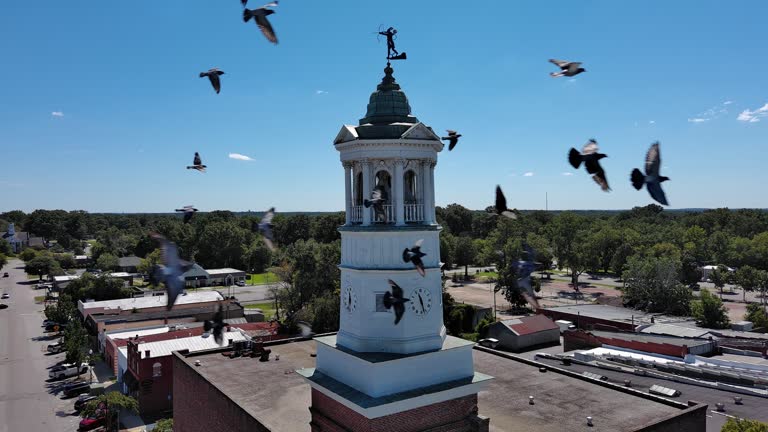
[349,300]
[422,303]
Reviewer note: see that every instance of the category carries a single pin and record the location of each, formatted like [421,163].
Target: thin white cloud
[572,80]
[567,174]
[698,120]
[651,121]
[753,116]
[238,156]
[713,113]
[727,102]
[58,113]
[321,92]
[528,174]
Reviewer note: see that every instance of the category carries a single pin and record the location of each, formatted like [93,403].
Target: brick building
[211,394]
[149,374]
[669,346]
[521,333]
[590,316]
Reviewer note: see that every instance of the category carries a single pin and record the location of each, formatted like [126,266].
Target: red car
[91,423]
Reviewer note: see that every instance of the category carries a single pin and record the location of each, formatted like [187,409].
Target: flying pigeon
[377,201]
[523,270]
[501,205]
[414,255]
[197,163]
[259,15]
[567,68]
[171,271]
[189,211]
[590,157]
[265,228]
[652,178]
[452,138]
[213,75]
[305,329]
[395,300]
[216,326]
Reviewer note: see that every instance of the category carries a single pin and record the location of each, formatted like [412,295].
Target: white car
[67,370]
[4,296]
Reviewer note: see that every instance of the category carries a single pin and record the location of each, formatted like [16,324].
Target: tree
[567,234]
[689,270]
[65,260]
[709,311]
[290,229]
[747,278]
[107,262]
[257,257]
[221,245]
[5,247]
[757,315]
[465,253]
[63,311]
[719,277]
[164,425]
[110,404]
[75,342]
[447,249]
[28,254]
[3,260]
[148,263]
[507,270]
[325,228]
[42,264]
[325,312]
[621,257]
[458,219]
[652,284]
[744,425]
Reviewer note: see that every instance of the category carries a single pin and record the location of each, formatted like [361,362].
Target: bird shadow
[573,295]
[65,413]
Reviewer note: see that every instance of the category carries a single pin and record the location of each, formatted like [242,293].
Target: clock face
[421,302]
[349,298]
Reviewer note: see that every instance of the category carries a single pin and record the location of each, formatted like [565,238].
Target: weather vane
[392,53]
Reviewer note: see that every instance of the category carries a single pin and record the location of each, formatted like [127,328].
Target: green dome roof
[388,104]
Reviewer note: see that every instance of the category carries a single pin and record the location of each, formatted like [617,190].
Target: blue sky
[102,106]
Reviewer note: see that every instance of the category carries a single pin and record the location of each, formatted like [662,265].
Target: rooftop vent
[737,400]
[595,376]
[197,362]
[530,400]
[720,406]
[664,391]
[589,421]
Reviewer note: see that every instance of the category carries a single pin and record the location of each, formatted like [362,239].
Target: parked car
[82,400]
[48,322]
[91,423]
[75,389]
[5,274]
[5,296]
[56,347]
[489,342]
[67,370]
[3,305]
[240,283]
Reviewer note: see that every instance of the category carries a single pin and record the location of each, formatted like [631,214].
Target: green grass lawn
[268,308]
[261,278]
[39,299]
[487,275]
[32,277]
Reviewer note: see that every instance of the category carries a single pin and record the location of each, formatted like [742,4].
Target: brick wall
[457,415]
[585,322]
[201,407]
[580,339]
[692,419]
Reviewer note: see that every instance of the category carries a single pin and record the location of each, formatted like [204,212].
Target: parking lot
[29,402]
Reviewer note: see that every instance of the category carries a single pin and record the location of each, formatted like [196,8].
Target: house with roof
[225,276]
[522,333]
[17,239]
[128,264]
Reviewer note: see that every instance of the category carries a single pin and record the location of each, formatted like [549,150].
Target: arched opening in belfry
[383,182]
[409,187]
[358,185]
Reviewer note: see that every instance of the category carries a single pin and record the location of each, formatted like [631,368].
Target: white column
[348,198]
[399,192]
[432,216]
[366,190]
[425,193]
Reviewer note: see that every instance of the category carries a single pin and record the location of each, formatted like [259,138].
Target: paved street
[246,294]
[26,400]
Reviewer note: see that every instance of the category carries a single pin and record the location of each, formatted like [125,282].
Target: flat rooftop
[153,301]
[606,312]
[753,407]
[642,337]
[562,402]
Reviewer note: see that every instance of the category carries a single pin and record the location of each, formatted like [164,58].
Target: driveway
[27,401]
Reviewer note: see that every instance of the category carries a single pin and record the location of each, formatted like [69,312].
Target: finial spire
[388,82]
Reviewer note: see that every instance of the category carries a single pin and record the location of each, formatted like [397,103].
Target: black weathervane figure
[392,53]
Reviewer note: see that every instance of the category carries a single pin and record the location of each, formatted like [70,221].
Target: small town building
[195,277]
[225,276]
[61,282]
[523,333]
[148,304]
[17,239]
[149,367]
[128,264]
[655,344]
[589,316]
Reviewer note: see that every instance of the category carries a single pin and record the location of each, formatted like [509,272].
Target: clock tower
[391,367]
